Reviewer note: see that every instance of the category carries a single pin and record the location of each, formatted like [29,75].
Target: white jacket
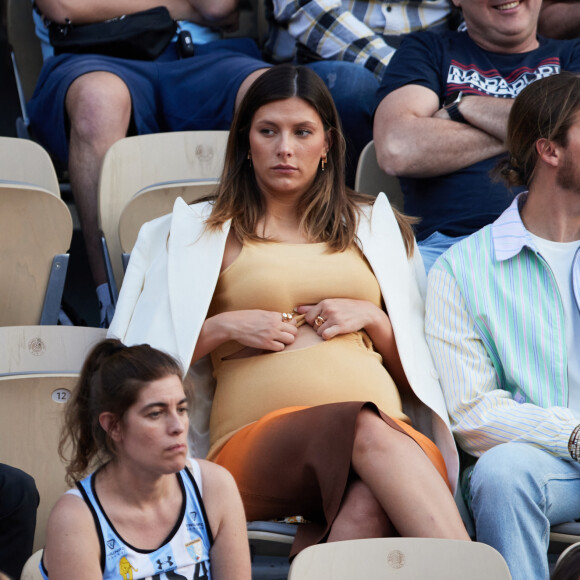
[170,282]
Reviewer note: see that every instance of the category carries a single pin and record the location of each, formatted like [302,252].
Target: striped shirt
[495,325]
[352,30]
[185,554]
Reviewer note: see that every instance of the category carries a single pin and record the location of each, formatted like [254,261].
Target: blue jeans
[353,89]
[517,491]
[433,246]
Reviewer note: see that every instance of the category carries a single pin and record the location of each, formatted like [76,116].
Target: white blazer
[170,282]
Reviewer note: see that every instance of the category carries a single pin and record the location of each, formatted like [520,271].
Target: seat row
[39,366]
[140,180]
[382,559]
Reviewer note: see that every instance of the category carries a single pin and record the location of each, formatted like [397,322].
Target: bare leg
[246,84]
[404,481]
[98,105]
[360,516]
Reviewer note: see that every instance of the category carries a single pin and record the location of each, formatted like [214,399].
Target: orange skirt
[297,461]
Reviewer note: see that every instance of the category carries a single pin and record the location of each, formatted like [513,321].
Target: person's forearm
[259,329]
[414,137]
[85,11]
[487,113]
[212,334]
[559,19]
[428,147]
[383,338]
[495,418]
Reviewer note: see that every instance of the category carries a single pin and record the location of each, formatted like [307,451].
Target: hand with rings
[319,321]
[334,316]
[260,329]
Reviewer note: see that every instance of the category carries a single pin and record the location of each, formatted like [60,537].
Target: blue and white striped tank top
[184,555]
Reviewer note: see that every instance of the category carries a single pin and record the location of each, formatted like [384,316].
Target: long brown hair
[112,377]
[330,211]
[546,109]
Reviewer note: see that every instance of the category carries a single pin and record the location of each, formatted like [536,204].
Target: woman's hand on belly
[305,337]
[258,329]
[335,316]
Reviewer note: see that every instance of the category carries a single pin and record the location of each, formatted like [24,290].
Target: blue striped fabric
[349,30]
[495,326]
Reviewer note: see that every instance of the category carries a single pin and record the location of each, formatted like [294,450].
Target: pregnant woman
[307,297]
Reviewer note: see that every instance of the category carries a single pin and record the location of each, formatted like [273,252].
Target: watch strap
[455,114]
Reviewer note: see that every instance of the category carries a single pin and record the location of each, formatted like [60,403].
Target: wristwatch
[451,105]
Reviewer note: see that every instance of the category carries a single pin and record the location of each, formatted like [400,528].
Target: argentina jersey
[183,556]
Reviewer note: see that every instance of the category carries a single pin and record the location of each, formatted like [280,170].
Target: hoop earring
[250,158]
[323,161]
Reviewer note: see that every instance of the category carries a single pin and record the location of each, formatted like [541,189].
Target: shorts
[167,94]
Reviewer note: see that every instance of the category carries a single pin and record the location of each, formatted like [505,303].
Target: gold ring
[287,316]
[319,321]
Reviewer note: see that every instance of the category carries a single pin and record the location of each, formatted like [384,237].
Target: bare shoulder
[71,536]
[230,554]
[70,511]
[215,478]
[221,497]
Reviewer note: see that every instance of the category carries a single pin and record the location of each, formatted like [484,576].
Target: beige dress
[278,277]
[283,423]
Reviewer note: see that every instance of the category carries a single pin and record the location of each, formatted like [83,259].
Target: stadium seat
[35,235]
[39,366]
[371,179]
[31,570]
[25,53]
[401,558]
[146,173]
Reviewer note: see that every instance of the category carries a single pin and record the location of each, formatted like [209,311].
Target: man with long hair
[503,325]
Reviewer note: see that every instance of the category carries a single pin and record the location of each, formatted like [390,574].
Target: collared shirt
[352,30]
[495,326]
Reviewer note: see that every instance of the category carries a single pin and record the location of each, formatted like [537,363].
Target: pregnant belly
[313,372]
[306,336]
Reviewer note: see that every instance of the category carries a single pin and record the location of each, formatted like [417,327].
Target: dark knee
[363,514]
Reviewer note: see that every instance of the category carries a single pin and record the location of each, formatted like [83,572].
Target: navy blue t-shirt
[462,202]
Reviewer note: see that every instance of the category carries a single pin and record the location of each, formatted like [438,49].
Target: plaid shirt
[364,32]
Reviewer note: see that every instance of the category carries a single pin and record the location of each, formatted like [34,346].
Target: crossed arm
[414,137]
[205,12]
